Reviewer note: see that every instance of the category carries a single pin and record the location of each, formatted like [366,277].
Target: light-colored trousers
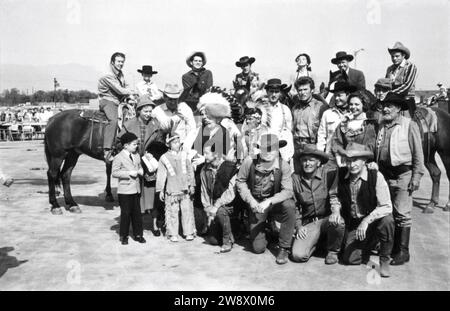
[173,204]
[402,201]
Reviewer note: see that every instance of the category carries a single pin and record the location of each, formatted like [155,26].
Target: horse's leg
[66,173]
[435,174]
[109,197]
[54,165]
[446,161]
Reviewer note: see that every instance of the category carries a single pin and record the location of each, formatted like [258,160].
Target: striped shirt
[403,78]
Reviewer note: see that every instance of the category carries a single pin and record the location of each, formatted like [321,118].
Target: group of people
[26,115]
[318,172]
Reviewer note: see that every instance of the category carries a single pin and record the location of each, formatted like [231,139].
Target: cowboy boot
[397,236]
[403,255]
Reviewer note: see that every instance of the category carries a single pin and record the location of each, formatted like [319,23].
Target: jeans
[111,111]
[402,201]
[302,249]
[221,232]
[381,229]
[130,211]
[284,213]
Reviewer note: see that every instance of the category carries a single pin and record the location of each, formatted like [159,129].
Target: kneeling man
[366,208]
[265,184]
[315,193]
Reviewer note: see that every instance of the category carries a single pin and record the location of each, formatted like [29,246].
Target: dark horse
[67,136]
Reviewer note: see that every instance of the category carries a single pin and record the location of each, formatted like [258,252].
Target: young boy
[175,184]
[127,168]
[218,178]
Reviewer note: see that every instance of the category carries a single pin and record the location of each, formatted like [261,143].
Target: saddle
[94,115]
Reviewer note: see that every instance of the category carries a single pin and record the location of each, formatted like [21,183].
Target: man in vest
[399,156]
[265,184]
[366,208]
[403,74]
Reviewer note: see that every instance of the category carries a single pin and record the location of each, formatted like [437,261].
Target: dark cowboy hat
[191,57]
[147,69]
[399,47]
[270,142]
[392,98]
[308,59]
[244,61]
[355,150]
[145,101]
[311,150]
[342,86]
[384,83]
[275,84]
[340,56]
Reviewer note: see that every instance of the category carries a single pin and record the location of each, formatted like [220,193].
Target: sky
[162,33]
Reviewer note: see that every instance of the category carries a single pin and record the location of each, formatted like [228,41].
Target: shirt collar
[403,63]
[362,175]
[317,175]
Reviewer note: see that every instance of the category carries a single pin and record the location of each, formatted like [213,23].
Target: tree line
[14,97]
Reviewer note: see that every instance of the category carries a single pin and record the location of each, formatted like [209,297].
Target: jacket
[121,168]
[356,78]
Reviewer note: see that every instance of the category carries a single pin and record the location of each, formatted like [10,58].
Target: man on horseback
[112,90]
[353,76]
[400,159]
[403,74]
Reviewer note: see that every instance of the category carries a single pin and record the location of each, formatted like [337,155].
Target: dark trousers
[130,211]
[380,230]
[220,231]
[111,111]
[284,213]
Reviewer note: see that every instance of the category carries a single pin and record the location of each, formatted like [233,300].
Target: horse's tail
[48,157]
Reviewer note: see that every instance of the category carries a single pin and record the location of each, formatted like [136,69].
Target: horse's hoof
[428,210]
[109,198]
[75,209]
[56,211]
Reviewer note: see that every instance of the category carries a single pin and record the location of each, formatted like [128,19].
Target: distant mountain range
[69,76]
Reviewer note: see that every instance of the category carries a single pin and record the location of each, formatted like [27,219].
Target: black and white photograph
[212,146]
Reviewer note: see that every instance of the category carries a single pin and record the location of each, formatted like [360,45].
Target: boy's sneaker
[174,239]
[189,237]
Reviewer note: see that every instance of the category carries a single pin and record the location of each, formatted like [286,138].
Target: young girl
[175,184]
[127,168]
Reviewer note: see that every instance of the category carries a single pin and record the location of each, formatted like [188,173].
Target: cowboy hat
[392,98]
[399,47]
[145,101]
[244,61]
[342,86]
[270,142]
[311,150]
[215,105]
[384,83]
[147,69]
[355,150]
[275,84]
[171,137]
[191,57]
[340,56]
[171,90]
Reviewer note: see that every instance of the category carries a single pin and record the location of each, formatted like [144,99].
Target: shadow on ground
[8,262]
[43,181]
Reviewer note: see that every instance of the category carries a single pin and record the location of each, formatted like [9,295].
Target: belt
[312,219]
[306,140]
[392,172]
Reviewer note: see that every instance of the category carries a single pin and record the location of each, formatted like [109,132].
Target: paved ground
[39,251]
